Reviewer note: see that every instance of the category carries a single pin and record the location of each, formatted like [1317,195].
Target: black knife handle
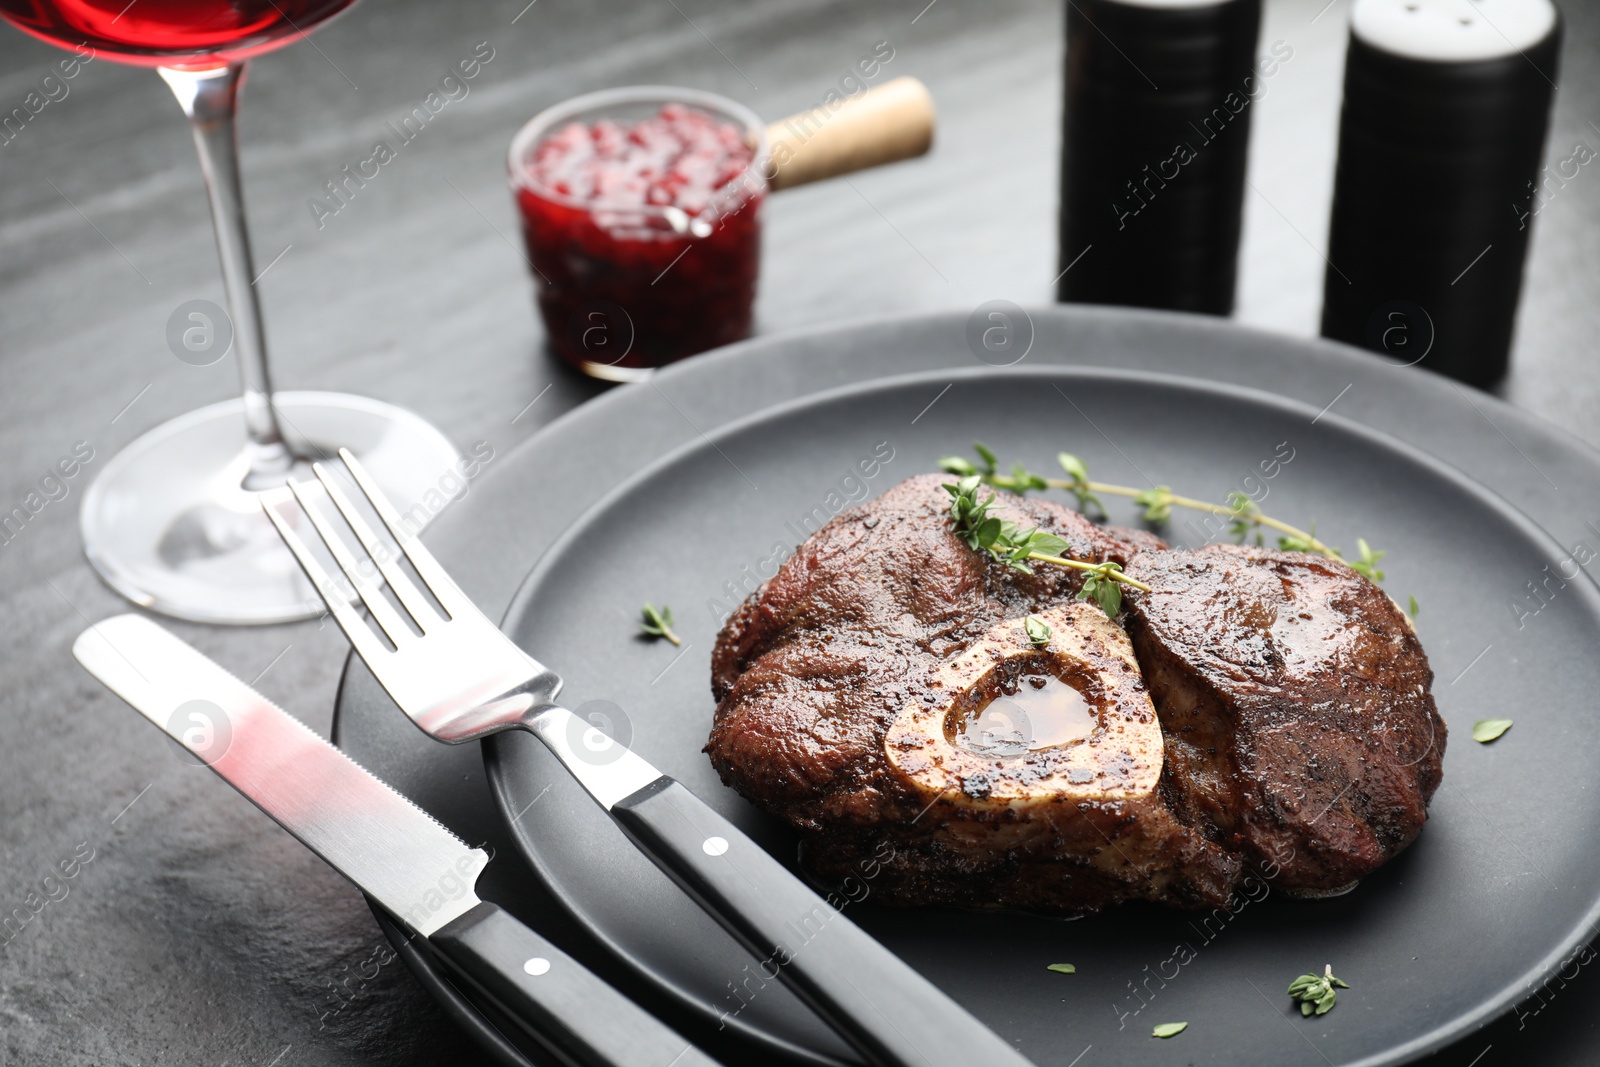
[894,1016]
[570,1011]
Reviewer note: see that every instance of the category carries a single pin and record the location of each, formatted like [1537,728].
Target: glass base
[169,524]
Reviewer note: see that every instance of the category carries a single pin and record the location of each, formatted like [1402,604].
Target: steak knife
[420,872]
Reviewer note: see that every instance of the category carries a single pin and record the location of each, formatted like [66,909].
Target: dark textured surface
[201,934]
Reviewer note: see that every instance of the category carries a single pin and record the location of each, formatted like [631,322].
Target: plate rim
[1115,315]
[1515,991]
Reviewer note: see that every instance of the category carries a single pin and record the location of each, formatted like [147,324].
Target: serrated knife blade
[417,870]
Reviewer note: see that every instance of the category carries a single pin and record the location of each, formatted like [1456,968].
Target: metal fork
[460,679]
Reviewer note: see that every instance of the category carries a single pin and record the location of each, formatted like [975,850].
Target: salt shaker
[1446,107]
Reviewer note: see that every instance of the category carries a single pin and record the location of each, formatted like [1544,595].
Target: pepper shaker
[1156,124]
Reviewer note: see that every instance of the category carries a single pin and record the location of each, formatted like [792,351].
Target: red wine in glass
[200,33]
[174,521]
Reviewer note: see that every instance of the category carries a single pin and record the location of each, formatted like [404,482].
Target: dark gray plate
[491,539]
[1433,944]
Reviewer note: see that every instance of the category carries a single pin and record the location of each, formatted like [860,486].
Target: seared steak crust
[1295,699]
[1296,729]
[811,669]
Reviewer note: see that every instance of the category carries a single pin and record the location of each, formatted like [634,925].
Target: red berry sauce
[647,237]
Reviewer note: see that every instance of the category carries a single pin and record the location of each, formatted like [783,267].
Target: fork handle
[889,1012]
[574,1015]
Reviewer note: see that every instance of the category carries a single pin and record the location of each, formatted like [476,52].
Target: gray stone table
[198,932]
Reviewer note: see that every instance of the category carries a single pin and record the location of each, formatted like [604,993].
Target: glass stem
[210,98]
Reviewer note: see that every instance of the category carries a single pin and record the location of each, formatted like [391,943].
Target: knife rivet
[714,846]
[536,966]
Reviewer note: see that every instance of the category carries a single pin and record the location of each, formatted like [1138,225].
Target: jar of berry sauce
[641,208]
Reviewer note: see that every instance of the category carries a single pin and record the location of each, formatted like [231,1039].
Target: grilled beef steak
[1295,700]
[880,694]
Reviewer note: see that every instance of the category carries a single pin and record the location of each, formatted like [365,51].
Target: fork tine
[434,576]
[361,637]
[367,587]
[404,589]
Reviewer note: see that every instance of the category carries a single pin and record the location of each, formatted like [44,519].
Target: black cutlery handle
[575,1015]
[894,1016]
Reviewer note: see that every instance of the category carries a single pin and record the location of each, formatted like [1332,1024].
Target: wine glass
[173,521]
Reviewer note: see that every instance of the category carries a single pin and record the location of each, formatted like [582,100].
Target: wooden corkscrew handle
[891,122]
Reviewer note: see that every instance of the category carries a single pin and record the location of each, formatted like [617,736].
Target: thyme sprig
[1316,992]
[1017,548]
[1244,516]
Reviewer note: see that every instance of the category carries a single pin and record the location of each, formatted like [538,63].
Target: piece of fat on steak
[1295,698]
[852,693]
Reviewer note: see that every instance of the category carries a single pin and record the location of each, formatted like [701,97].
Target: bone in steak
[880,694]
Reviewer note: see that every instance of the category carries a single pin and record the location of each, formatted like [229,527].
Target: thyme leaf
[1367,564]
[1101,587]
[1486,730]
[1157,503]
[1245,520]
[1078,484]
[657,622]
